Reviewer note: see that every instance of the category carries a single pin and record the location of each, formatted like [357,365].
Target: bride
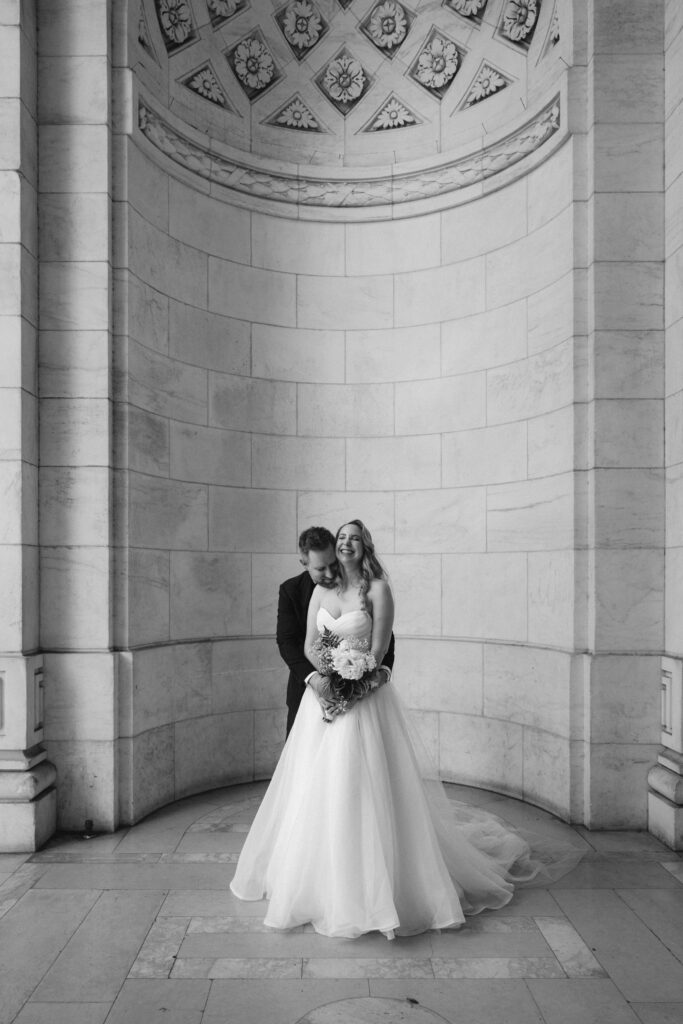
[355,832]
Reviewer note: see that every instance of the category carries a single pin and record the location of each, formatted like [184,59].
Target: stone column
[27,794]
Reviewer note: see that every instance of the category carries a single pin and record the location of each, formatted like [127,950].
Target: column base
[26,826]
[665,799]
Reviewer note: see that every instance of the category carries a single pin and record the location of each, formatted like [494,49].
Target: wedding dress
[355,832]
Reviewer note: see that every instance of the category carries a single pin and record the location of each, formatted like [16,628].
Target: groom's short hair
[315,538]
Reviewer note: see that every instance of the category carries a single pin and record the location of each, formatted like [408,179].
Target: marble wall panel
[73,157]
[550,314]
[629,588]
[484,340]
[74,296]
[531,515]
[144,185]
[625,701]
[627,89]
[210,594]
[143,310]
[146,773]
[269,739]
[673,358]
[207,224]
[532,263]
[248,675]
[629,508]
[618,785]
[628,27]
[430,296]
[674,293]
[171,267]
[214,751]
[247,519]
[529,686]
[78,92]
[390,463]
[401,354]
[167,514]
[289,462]
[628,364]
[673,228]
[547,771]
[74,597]
[11,597]
[345,410]
[166,386]
[242,403]
[481,752]
[484,596]
[530,387]
[673,81]
[673,621]
[12,497]
[674,506]
[549,186]
[78,762]
[170,684]
[268,571]
[628,226]
[74,227]
[394,247]
[148,580]
[344,303]
[74,505]
[80,696]
[551,442]
[440,675]
[207,455]
[416,585]
[75,432]
[628,433]
[495,220]
[674,147]
[487,455]
[334,508]
[11,447]
[550,598]
[438,521]
[67,27]
[297,247]
[283,353]
[255,295]
[74,364]
[628,157]
[149,446]
[436,406]
[208,340]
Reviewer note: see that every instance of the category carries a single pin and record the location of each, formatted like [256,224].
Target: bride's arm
[382,617]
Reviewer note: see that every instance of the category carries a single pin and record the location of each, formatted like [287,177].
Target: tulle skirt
[355,833]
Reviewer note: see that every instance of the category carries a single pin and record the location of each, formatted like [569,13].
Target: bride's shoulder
[379,589]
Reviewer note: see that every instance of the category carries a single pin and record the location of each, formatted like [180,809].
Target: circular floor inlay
[369,1010]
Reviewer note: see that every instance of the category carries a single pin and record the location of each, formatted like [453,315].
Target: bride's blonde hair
[370,567]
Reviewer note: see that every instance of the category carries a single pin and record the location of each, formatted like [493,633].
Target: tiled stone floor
[139,927]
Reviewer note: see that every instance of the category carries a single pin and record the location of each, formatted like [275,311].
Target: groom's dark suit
[292,612]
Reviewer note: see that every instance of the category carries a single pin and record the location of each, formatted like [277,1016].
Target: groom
[317,555]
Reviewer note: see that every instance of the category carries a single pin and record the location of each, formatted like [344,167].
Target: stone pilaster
[665,798]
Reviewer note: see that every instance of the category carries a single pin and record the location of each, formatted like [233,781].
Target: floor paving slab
[485,1001]
[275,1002]
[581,1001]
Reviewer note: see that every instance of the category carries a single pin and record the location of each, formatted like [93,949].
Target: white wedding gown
[355,834]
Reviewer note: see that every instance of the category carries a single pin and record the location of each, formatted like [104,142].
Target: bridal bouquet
[349,666]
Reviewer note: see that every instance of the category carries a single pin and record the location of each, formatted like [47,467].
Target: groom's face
[321,566]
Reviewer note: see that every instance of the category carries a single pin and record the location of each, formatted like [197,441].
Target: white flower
[297,115]
[519,18]
[393,115]
[344,79]
[253,64]
[388,24]
[223,8]
[302,25]
[437,63]
[351,663]
[467,7]
[176,20]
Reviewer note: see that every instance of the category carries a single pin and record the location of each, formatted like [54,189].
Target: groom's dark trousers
[292,612]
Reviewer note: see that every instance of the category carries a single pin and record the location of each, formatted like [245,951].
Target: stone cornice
[296,184]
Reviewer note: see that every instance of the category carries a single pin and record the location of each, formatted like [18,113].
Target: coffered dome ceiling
[347,82]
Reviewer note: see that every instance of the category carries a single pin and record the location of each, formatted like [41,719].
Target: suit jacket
[292,613]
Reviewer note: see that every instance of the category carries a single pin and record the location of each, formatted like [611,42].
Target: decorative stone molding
[293,185]
[297,116]
[343,81]
[437,63]
[393,113]
[487,81]
[519,20]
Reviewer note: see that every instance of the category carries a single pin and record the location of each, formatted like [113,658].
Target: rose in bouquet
[349,668]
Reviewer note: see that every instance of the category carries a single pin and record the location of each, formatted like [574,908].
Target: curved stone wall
[275,372]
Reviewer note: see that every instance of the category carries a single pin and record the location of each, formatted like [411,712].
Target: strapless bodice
[357,623]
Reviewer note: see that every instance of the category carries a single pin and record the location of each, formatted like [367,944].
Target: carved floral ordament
[519,19]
